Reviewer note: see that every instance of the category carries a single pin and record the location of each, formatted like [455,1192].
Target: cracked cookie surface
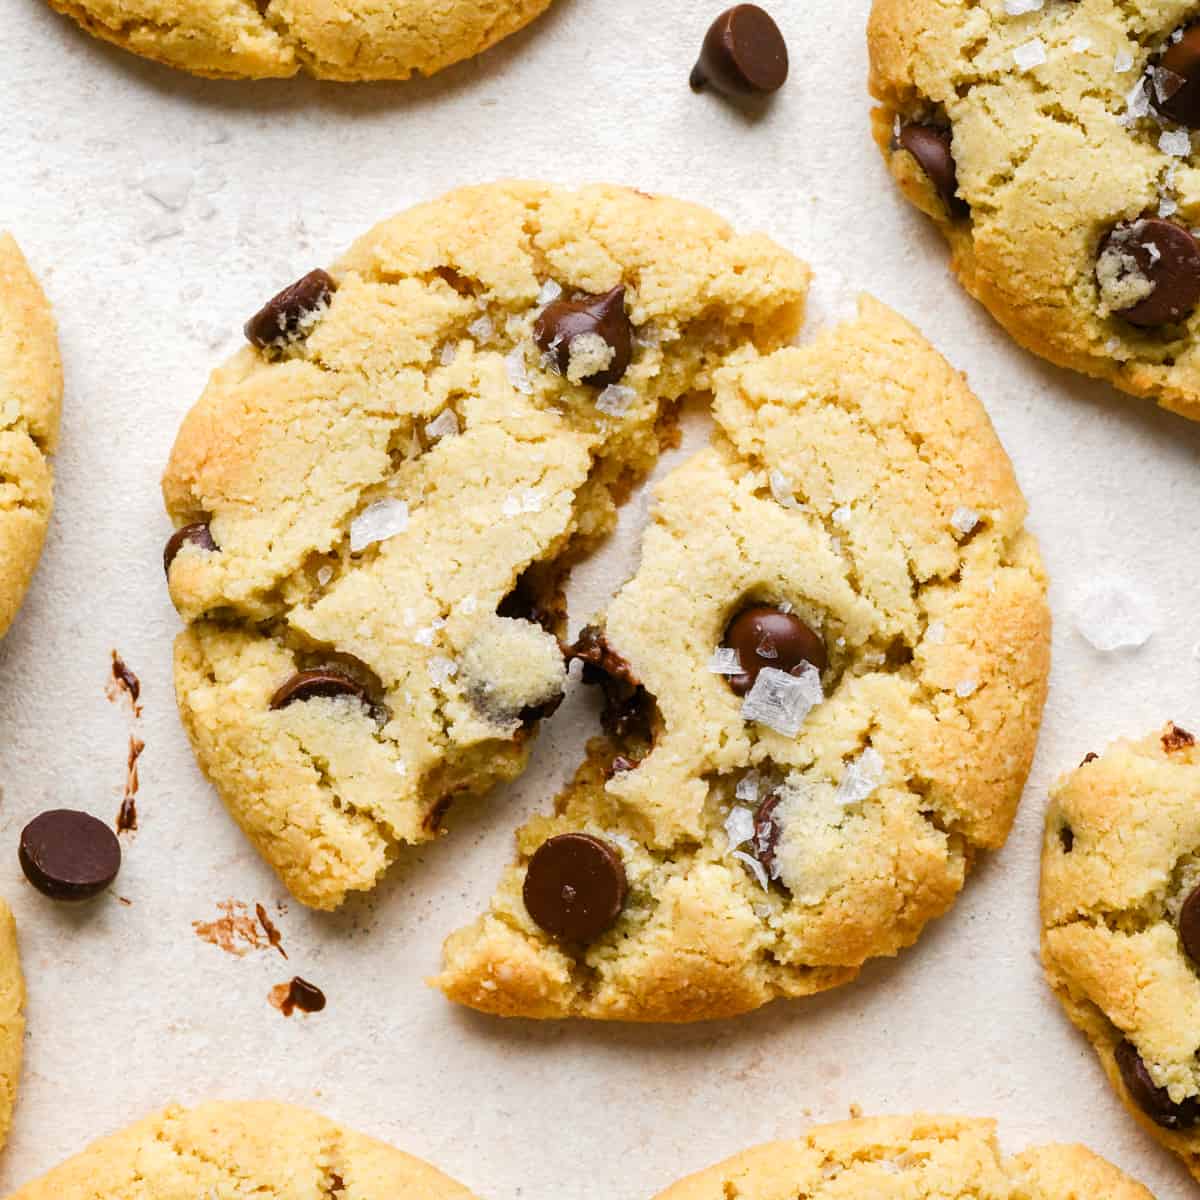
[259,39]
[393,492]
[1120,861]
[774,838]
[30,399]
[908,1158]
[226,1151]
[1032,140]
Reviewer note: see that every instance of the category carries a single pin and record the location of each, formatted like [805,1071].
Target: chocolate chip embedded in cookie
[289,316]
[766,637]
[589,339]
[1121,924]
[1149,272]
[575,886]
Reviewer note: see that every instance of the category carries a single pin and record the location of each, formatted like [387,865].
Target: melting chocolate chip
[764,636]
[283,318]
[575,886]
[561,324]
[767,832]
[1153,1100]
[1174,86]
[298,994]
[69,855]
[1167,256]
[321,681]
[744,54]
[1066,838]
[1189,926]
[628,708]
[1177,739]
[197,534]
[930,146]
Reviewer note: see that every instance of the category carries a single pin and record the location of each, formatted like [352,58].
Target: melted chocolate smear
[127,818]
[235,931]
[629,710]
[126,681]
[270,929]
[298,994]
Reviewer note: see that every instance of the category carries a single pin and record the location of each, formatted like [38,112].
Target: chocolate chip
[930,146]
[302,995]
[1167,256]
[1153,1100]
[767,831]
[1174,85]
[284,317]
[197,534]
[1189,926]
[1177,739]
[629,709]
[769,637]
[561,324]
[575,886]
[744,54]
[1066,838]
[321,681]
[69,855]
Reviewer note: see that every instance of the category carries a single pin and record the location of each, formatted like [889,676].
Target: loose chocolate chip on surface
[1174,85]
[283,317]
[769,637]
[1177,739]
[766,834]
[744,54]
[300,994]
[196,534]
[575,886]
[69,855]
[322,681]
[1158,252]
[1189,926]
[561,324]
[930,146]
[1153,1100]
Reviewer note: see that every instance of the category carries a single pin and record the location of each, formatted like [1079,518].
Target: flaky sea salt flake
[376,523]
[1081,44]
[616,399]
[964,520]
[1123,61]
[1018,8]
[756,868]
[518,373]
[445,424]
[481,329]
[1031,54]
[725,661]
[549,293]
[748,787]
[862,777]
[442,669]
[1175,142]
[966,687]
[781,489]
[1111,615]
[739,826]
[782,701]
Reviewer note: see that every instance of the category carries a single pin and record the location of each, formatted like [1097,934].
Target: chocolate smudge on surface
[235,931]
[297,994]
[270,929]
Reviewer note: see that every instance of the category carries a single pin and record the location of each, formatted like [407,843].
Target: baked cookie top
[1121,923]
[908,1158]
[222,1151]
[824,687]
[30,398]
[352,41]
[1052,144]
[377,501]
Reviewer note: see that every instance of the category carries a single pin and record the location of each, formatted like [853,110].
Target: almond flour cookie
[377,500]
[350,42]
[823,690]
[12,1019]
[30,398]
[1121,924]
[226,1151]
[908,1158]
[1052,144]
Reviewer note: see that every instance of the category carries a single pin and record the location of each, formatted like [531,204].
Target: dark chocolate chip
[769,637]
[302,995]
[575,886]
[1174,85]
[321,681]
[197,534]
[930,146]
[1189,926]
[744,54]
[767,831]
[1177,739]
[69,855]
[628,708]
[1167,255]
[282,318]
[560,323]
[1153,1100]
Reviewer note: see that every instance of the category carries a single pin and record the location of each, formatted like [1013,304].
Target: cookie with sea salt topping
[908,1158]
[1052,142]
[1121,924]
[822,693]
[227,1150]
[31,388]
[377,500]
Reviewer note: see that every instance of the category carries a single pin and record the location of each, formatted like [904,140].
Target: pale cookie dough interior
[228,1151]
[908,1158]
[259,39]
[1121,857]
[858,483]
[400,492]
[1055,143]
[30,398]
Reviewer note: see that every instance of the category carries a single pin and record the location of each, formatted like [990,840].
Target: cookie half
[221,1151]
[356,41]
[1121,924]
[908,1158]
[377,501]
[30,399]
[1052,146]
[824,686]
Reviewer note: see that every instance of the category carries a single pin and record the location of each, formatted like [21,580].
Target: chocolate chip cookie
[1121,924]
[30,399]
[908,1158]
[1051,141]
[822,690]
[377,499]
[351,41]
[225,1151]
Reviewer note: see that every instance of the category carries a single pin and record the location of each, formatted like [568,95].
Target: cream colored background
[128,1009]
